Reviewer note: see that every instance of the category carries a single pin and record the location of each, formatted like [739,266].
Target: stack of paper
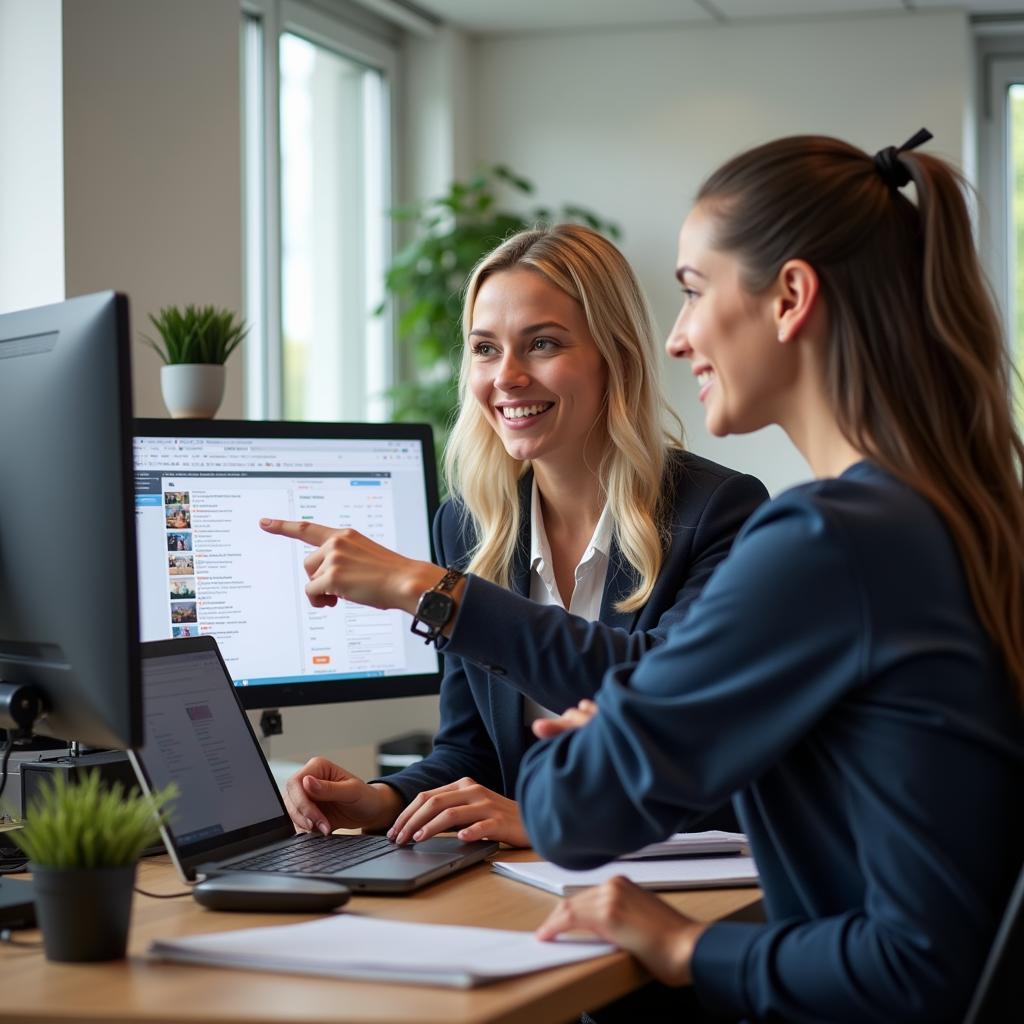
[663,873]
[349,946]
[697,844]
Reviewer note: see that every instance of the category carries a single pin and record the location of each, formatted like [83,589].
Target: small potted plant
[83,842]
[195,342]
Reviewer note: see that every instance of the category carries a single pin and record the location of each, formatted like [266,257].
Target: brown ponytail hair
[917,370]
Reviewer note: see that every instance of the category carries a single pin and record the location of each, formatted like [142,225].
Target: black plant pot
[84,912]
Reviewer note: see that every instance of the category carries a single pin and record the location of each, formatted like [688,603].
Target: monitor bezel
[91,692]
[298,693]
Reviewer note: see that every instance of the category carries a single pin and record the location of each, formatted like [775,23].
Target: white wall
[31,184]
[629,123]
[438,141]
[152,163]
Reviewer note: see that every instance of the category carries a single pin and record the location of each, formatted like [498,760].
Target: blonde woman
[578,533]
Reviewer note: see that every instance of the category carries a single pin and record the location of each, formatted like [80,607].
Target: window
[318,156]
[1001,166]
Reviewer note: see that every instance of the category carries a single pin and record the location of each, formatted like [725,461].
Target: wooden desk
[136,989]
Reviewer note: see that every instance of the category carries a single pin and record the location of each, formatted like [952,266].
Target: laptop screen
[198,736]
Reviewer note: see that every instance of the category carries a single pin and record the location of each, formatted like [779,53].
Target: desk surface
[136,989]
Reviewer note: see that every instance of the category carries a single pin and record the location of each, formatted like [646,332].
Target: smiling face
[730,335]
[536,370]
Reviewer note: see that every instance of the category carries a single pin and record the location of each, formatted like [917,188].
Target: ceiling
[496,16]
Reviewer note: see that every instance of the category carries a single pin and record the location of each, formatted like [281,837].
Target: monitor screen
[206,568]
[68,604]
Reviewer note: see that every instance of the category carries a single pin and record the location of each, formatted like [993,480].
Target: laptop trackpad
[401,864]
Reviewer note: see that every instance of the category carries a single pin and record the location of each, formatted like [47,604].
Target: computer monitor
[69,626]
[205,566]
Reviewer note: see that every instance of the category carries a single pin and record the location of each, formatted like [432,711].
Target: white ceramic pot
[192,390]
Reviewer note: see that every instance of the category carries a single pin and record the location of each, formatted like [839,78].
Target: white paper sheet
[350,946]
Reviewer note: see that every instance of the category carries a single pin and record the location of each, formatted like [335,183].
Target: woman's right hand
[323,796]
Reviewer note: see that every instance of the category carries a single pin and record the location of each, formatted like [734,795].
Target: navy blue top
[504,645]
[835,676]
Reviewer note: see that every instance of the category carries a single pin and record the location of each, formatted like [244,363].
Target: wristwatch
[436,607]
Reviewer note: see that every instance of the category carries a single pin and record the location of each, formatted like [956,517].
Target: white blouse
[588,589]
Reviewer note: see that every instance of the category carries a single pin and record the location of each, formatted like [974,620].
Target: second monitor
[206,568]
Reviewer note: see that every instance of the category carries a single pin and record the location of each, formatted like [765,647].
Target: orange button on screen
[321,659]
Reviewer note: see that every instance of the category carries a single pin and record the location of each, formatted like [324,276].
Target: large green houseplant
[83,842]
[450,234]
[194,344]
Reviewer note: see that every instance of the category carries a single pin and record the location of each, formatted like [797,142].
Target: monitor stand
[17,903]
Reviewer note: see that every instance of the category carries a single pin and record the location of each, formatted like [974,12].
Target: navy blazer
[835,677]
[504,645]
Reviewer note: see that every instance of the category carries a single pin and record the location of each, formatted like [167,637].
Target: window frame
[261,198]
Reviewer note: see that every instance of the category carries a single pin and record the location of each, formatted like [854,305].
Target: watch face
[435,608]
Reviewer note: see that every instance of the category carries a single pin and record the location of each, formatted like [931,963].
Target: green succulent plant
[196,334]
[85,825]
[451,233]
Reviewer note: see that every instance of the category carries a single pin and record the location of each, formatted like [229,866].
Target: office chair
[999,996]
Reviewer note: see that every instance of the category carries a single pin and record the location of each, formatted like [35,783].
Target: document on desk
[662,873]
[349,946]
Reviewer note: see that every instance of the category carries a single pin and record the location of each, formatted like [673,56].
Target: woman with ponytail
[854,671]
[578,532]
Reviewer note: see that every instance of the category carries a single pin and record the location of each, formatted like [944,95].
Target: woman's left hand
[349,565]
[635,920]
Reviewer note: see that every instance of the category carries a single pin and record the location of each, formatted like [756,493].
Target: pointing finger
[311,533]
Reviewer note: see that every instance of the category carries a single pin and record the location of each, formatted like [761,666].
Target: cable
[13,865]
[163,895]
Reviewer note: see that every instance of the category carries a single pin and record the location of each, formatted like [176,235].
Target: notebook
[662,873]
[229,815]
[350,946]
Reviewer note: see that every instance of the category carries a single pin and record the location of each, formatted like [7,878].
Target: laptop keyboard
[311,854]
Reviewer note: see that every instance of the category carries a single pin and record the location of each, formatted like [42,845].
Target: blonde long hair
[918,374]
[485,478]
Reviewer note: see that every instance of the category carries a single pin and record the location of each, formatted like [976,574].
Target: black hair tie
[888,164]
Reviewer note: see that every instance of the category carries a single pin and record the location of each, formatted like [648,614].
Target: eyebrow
[532,329]
[685,269]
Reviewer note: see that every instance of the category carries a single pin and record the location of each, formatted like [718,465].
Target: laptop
[229,816]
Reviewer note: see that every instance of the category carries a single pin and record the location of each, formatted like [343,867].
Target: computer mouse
[270,893]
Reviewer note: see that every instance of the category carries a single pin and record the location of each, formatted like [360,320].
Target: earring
[782,335]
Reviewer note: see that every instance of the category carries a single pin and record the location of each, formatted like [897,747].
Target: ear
[797,290]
